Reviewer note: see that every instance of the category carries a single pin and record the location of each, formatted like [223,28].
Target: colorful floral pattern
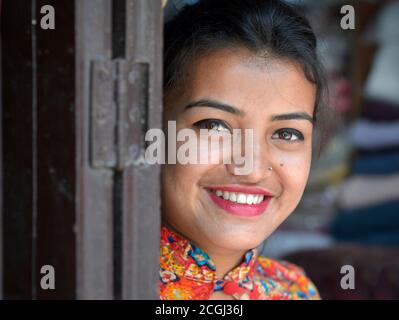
[188,273]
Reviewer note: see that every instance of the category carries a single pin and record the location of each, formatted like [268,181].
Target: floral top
[188,273]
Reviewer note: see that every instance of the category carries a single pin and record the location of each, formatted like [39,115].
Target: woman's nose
[252,163]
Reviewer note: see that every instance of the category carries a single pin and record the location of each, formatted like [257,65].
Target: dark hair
[265,27]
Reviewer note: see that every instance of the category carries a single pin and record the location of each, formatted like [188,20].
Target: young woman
[237,64]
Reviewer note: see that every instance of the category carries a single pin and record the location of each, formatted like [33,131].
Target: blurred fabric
[380,162]
[376,271]
[367,190]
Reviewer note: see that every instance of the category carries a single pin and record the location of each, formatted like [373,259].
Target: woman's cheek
[292,169]
[178,194]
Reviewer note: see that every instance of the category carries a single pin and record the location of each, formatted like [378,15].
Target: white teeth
[250,199]
[242,198]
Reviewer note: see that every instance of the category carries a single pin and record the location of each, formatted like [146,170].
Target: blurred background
[349,214]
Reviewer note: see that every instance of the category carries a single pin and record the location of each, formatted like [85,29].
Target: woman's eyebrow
[228,108]
[293,116]
[214,104]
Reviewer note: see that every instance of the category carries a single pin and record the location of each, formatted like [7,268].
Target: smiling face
[228,90]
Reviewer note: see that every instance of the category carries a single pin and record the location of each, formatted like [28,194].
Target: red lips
[239,209]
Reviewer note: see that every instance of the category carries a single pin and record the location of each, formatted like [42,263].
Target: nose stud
[270,169]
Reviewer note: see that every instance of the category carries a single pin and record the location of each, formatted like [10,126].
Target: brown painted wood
[141,183]
[94,185]
[17,149]
[97,226]
[56,152]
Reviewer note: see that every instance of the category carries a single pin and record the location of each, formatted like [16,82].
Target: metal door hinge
[119,113]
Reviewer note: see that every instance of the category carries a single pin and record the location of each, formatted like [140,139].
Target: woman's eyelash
[285,134]
[288,134]
[212,124]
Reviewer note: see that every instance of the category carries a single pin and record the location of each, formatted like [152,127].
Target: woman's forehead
[241,78]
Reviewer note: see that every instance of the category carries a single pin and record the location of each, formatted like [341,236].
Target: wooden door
[76,102]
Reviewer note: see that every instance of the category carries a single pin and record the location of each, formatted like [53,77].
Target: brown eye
[213,125]
[287,134]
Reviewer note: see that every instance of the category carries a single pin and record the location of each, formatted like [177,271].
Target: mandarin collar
[184,259]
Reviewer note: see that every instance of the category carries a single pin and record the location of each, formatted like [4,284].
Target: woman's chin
[237,241]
